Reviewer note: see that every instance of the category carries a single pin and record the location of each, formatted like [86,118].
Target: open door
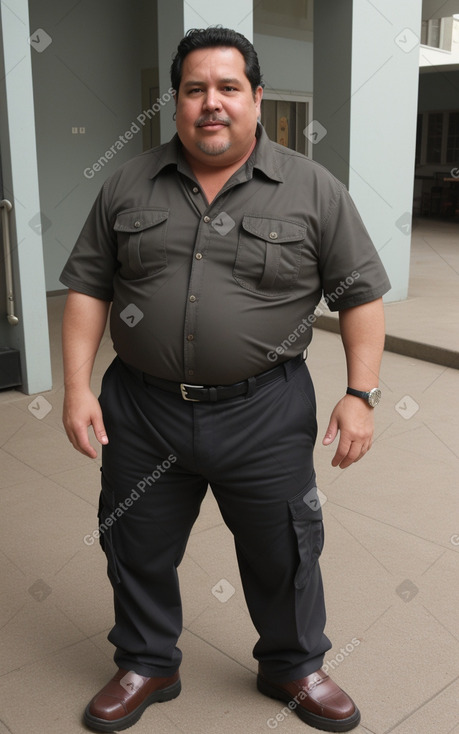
[24,339]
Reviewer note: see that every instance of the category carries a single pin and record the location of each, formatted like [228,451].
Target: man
[214,250]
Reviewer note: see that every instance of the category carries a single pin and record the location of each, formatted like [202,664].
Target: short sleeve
[93,261]
[351,270]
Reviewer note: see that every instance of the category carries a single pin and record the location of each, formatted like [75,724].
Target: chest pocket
[268,256]
[141,235]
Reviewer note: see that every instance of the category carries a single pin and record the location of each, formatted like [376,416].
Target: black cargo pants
[256,453]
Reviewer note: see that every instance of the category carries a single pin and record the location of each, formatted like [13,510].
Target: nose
[212,101]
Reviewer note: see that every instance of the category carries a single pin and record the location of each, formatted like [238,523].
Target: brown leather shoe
[123,700]
[316,699]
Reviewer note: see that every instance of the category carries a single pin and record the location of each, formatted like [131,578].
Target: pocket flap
[275,231]
[136,220]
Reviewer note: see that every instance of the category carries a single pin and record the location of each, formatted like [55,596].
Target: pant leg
[148,505]
[266,489]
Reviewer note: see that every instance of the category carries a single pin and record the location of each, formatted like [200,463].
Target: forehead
[211,63]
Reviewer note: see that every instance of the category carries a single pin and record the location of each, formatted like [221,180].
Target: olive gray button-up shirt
[213,294]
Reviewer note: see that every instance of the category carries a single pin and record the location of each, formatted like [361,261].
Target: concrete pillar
[20,186]
[175,17]
[366,69]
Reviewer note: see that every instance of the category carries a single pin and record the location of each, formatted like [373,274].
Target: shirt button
[198,256]
[195,190]
[273,235]
[191,373]
[206,219]
[190,337]
[137,224]
[192,299]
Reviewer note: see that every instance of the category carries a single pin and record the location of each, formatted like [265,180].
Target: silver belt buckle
[183,389]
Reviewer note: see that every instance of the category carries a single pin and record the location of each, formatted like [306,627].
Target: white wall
[286,63]
[383,130]
[89,76]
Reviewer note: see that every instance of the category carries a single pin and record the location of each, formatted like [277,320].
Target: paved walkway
[426,325]
[390,562]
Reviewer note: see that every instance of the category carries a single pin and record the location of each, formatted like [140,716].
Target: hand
[353,418]
[81,410]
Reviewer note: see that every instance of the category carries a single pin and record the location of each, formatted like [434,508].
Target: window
[437,138]
[434,137]
[434,33]
[438,33]
[418,140]
[285,120]
[452,145]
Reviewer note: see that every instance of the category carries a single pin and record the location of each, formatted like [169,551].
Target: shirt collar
[264,157]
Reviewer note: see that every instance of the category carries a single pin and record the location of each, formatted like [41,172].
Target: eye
[194,90]
[229,89]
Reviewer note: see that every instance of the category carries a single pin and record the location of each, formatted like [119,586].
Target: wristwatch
[373,397]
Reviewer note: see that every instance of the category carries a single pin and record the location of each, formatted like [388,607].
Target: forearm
[362,333]
[82,330]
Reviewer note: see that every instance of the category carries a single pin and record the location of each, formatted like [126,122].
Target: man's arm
[362,333]
[83,326]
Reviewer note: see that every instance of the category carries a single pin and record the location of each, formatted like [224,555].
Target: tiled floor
[390,562]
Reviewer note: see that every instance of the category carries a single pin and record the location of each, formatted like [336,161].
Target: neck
[206,170]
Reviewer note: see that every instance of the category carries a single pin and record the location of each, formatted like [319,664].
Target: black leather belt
[210,394]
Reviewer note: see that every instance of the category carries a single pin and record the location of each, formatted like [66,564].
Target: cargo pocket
[306,514]
[269,253]
[107,518]
[141,236]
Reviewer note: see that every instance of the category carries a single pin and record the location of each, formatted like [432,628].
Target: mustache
[203,120]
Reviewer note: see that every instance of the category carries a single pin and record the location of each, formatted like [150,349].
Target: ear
[257,97]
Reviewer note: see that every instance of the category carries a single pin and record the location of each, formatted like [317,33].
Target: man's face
[216,109]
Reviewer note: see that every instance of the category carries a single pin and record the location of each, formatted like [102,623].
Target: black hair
[210,38]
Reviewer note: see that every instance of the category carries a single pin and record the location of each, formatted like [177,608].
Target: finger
[99,430]
[342,451]
[81,442]
[330,433]
[353,454]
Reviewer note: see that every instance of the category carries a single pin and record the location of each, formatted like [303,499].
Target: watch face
[374,396]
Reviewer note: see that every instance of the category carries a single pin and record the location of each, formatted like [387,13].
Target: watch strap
[357,393]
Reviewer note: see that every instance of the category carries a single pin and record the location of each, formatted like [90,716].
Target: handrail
[6,207]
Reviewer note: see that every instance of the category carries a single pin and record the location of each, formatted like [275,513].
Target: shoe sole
[319,722]
[165,694]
